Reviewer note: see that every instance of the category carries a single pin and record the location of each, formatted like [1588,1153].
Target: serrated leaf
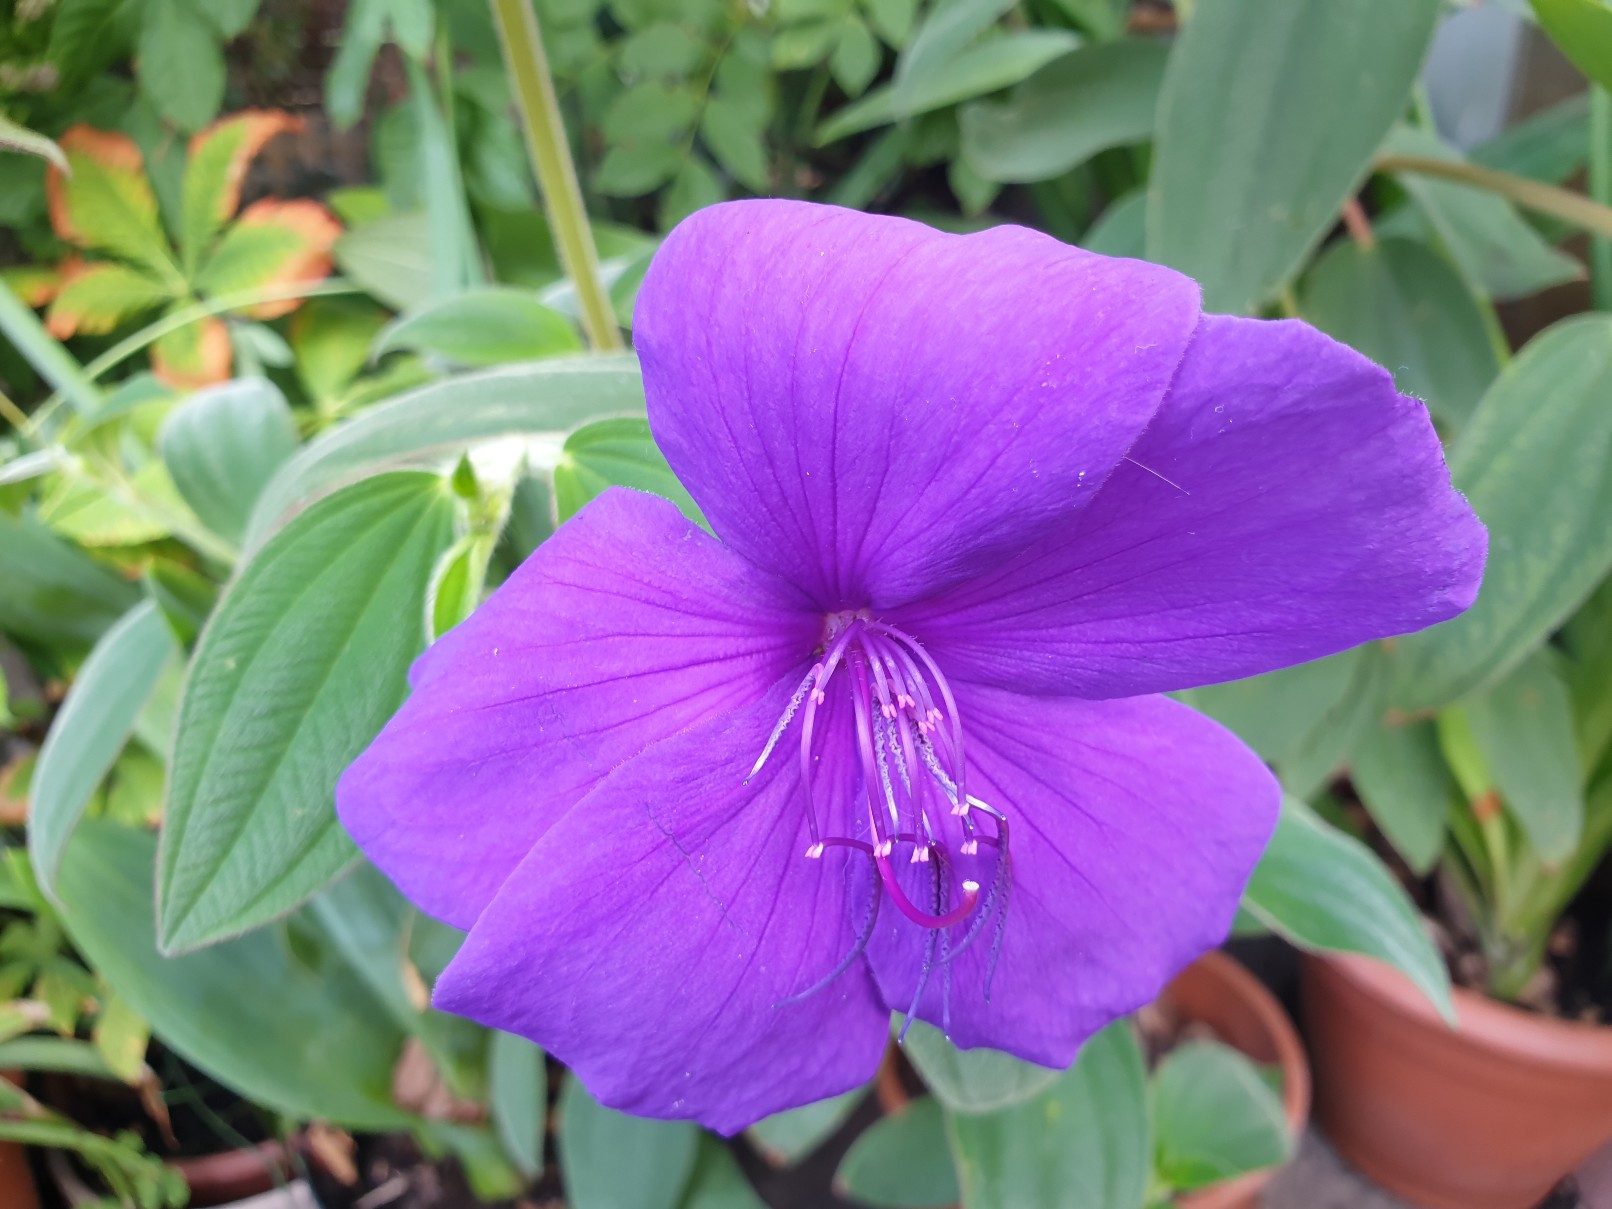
[995,64]
[610,1160]
[94,298]
[180,64]
[1098,97]
[901,1161]
[195,355]
[1083,1141]
[1403,306]
[223,444]
[107,201]
[303,661]
[1324,891]
[214,171]
[90,729]
[1252,161]
[489,326]
[1214,1117]
[1535,462]
[274,243]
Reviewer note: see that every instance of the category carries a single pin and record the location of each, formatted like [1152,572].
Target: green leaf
[614,453]
[304,1041]
[856,58]
[1550,146]
[1275,712]
[457,582]
[1582,29]
[1403,306]
[305,658]
[1098,97]
[121,1036]
[974,1080]
[100,297]
[634,171]
[1587,642]
[901,1161]
[937,44]
[90,730]
[435,424]
[1214,1116]
[347,81]
[107,201]
[892,19]
[489,326]
[223,444]
[717,1182]
[390,258]
[518,1099]
[611,1160]
[61,1054]
[992,65]
[1267,121]
[664,50]
[1535,462]
[1324,891]
[330,341]
[1082,1142]
[1524,725]
[180,64]
[230,18]
[734,138]
[1122,228]
[1495,248]
[786,1138]
[1405,784]
[693,188]
[14,137]
[51,592]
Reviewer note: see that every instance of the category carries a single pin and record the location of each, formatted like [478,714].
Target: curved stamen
[912,644]
[887,874]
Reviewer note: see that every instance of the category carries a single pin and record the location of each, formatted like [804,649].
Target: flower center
[908,735]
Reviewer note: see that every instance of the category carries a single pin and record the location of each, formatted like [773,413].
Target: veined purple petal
[653,938]
[627,626]
[873,409]
[1284,504]
[1134,827]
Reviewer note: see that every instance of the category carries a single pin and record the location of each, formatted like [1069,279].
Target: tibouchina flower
[711,807]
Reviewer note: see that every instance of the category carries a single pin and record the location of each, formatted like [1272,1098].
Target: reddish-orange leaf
[94,297]
[35,285]
[196,355]
[218,160]
[317,229]
[107,201]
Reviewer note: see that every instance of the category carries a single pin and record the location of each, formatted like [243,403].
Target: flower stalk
[550,153]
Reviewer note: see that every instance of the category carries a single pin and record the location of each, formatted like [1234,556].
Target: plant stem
[1601,191]
[546,143]
[1564,204]
[50,360]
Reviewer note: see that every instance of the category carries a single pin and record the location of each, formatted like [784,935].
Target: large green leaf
[1083,1143]
[1267,121]
[610,1160]
[90,730]
[974,1080]
[1495,248]
[901,1161]
[518,1099]
[305,658]
[309,1042]
[1100,96]
[1214,1116]
[788,1137]
[1583,30]
[491,326]
[1325,891]
[614,453]
[717,1182]
[390,258]
[1523,725]
[1405,307]
[1402,779]
[1536,463]
[539,403]
[223,444]
[51,592]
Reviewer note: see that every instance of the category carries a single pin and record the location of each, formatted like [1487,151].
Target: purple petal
[629,625]
[1286,503]
[1134,826]
[651,938]
[874,409]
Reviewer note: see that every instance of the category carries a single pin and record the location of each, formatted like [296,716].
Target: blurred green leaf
[457,583]
[1582,29]
[614,453]
[303,661]
[1267,121]
[390,258]
[1084,1141]
[1524,725]
[1550,146]
[1214,1116]
[937,43]
[901,1161]
[90,730]
[51,592]
[1403,306]
[734,136]
[717,1182]
[1587,642]
[223,444]
[1098,97]
[1325,891]
[180,64]
[974,1080]
[1535,461]
[610,1160]
[1121,230]
[330,342]
[518,1099]
[787,1137]
[1402,779]
[489,326]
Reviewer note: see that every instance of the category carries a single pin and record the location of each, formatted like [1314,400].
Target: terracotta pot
[1487,1116]
[17,1189]
[1218,991]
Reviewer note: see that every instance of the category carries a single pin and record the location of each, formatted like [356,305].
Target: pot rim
[1487,1024]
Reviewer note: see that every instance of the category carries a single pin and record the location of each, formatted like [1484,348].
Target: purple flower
[712,807]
